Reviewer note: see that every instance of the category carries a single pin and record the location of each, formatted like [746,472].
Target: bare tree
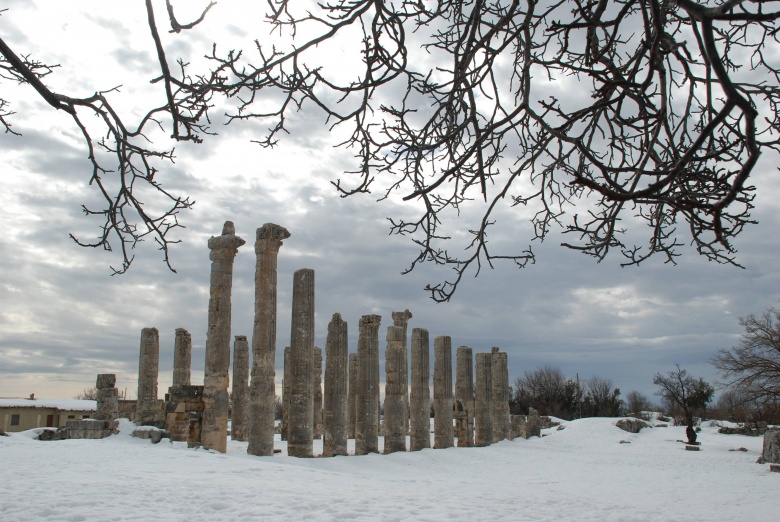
[691,395]
[601,398]
[547,390]
[123,160]
[636,403]
[752,368]
[450,103]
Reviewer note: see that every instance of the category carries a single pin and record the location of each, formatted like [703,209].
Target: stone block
[105,380]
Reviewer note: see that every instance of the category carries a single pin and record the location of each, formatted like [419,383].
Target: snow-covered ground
[582,472]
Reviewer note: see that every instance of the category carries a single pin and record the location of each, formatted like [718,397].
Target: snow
[581,472]
[61,404]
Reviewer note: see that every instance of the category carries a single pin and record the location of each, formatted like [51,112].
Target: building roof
[60,404]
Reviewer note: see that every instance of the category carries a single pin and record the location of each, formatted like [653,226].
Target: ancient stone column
[149,410]
[483,400]
[420,392]
[334,414]
[240,394]
[402,319]
[216,401]
[367,401]
[352,393]
[395,412]
[443,436]
[285,424]
[107,397]
[501,420]
[317,392]
[464,393]
[182,358]
[301,416]
[262,393]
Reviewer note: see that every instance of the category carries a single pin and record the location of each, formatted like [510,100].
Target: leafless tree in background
[752,368]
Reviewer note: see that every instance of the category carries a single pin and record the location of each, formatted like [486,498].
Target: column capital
[401,318]
[228,241]
[270,234]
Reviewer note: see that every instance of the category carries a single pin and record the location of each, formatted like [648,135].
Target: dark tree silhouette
[752,368]
[678,388]
[666,107]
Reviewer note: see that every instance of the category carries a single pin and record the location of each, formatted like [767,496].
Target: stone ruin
[102,424]
[771,450]
[349,406]
[240,392]
[149,410]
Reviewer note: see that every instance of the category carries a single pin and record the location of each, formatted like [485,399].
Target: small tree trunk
[690,431]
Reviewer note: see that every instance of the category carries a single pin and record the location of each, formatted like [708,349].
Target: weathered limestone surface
[182,358]
[352,395]
[771,449]
[483,403]
[443,436]
[402,319]
[262,393]
[632,425]
[301,417]
[149,411]
[500,395]
[107,397]
[317,392]
[334,439]
[420,394]
[367,402]
[464,394]
[395,411]
[240,394]
[184,409]
[216,374]
[89,429]
[285,424]
[526,426]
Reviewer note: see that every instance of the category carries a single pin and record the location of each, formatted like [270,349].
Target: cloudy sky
[64,319]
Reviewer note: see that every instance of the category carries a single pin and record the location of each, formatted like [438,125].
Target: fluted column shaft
[483,404]
[216,375]
[420,393]
[285,424]
[464,392]
[148,364]
[240,393]
[402,319]
[367,402]
[501,420]
[352,395]
[262,394]
[182,358]
[334,412]
[316,391]
[395,411]
[443,436]
[301,417]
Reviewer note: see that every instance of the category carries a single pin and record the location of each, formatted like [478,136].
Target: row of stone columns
[351,398]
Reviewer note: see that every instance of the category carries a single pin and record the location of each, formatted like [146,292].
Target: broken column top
[182,331]
[240,337]
[228,239]
[401,318]
[105,380]
[272,231]
[372,319]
